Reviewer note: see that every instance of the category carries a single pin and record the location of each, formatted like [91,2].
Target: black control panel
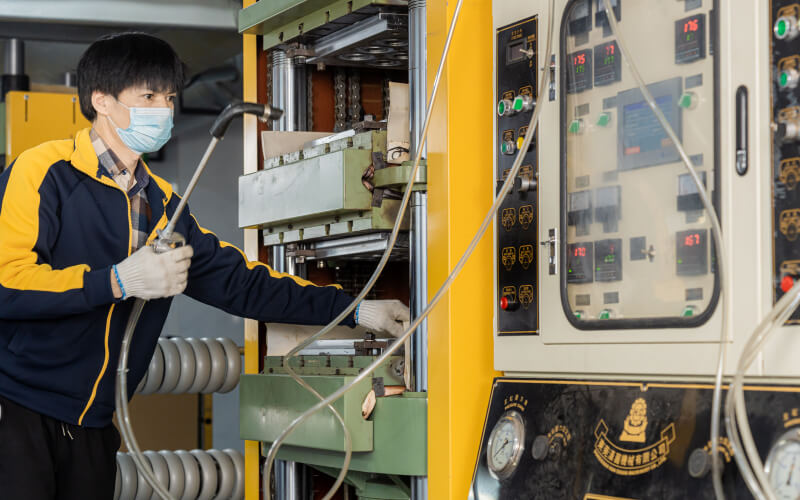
[517,308]
[785,46]
[557,439]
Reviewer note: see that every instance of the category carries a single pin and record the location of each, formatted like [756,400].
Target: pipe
[15,57]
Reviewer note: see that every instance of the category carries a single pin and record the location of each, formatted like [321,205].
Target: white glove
[150,275]
[383,316]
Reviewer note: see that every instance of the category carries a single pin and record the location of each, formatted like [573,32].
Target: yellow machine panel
[36,117]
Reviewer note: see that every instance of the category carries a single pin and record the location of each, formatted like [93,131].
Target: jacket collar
[84,158]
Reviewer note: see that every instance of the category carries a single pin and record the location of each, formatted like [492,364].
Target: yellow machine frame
[459,171]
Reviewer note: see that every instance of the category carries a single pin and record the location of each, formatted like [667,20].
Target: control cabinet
[608,372]
[623,274]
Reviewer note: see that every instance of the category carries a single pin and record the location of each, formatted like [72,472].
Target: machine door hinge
[552,244]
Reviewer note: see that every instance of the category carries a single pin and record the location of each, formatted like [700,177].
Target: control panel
[635,243]
[785,60]
[516,228]
[593,440]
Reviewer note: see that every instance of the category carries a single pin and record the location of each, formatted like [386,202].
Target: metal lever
[552,242]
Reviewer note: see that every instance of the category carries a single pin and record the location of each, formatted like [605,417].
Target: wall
[215,205]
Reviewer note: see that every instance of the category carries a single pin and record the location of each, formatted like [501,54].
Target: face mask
[149,130]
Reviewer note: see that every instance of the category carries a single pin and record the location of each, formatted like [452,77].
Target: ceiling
[56,33]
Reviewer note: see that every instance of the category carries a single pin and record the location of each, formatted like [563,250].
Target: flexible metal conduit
[188,475]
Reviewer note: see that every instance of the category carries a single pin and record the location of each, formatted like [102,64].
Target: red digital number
[691,240]
[610,49]
[579,59]
[691,25]
[580,252]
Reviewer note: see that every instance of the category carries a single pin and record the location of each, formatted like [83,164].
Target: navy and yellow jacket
[62,226]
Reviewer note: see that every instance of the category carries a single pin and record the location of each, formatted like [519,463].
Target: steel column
[418,99]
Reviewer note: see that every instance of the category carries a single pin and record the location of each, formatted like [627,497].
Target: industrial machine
[320,201]
[609,302]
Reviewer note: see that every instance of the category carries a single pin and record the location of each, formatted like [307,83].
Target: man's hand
[149,275]
[383,316]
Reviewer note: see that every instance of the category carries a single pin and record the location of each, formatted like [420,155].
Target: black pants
[44,459]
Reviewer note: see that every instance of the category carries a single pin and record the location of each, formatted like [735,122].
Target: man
[76,218]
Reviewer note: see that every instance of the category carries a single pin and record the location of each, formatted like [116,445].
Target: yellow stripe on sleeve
[19,227]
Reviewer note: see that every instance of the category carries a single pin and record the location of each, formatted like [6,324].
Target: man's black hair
[116,62]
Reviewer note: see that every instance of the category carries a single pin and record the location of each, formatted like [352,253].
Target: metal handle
[552,243]
[741,130]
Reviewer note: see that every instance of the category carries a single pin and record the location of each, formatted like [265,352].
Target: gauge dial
[783,466]
[506,445]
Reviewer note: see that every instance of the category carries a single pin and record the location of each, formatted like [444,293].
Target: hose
[716,230]
[506,187]
[166,241]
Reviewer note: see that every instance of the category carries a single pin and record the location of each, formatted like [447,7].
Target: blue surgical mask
[149,130]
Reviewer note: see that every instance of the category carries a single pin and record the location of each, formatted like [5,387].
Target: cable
[716,231]
[376,274]
[507,184]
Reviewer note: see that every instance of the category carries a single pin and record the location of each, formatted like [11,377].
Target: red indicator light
[787,283]
[504,303]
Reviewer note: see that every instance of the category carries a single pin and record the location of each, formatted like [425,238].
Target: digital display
[691,252]
[580,257]
[690,39]
[607,67]
[579,77]
[642,130]
[608,260]
[516,52]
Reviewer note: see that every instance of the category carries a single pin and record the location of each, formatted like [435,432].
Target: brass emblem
[526,295]
[525,256]
[790,173]
[525,215]
[789,223]
[509,257]
[635,423]
[636,461]
[509,217]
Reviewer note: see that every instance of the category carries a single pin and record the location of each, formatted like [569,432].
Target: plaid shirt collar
[111,166]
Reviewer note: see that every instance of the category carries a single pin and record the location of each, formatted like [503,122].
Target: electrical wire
[506,187]
[375,275]
[718,242]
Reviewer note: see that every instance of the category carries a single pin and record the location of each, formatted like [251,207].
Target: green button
[501,108]
[578,314]
[517,106]
[575,126]
[686,101]
[605,314]
[783,79]
[506,148]
[781,28]
[604,119]
[688,312]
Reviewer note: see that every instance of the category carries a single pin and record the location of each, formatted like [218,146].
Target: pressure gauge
[506,445]
[783,466]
